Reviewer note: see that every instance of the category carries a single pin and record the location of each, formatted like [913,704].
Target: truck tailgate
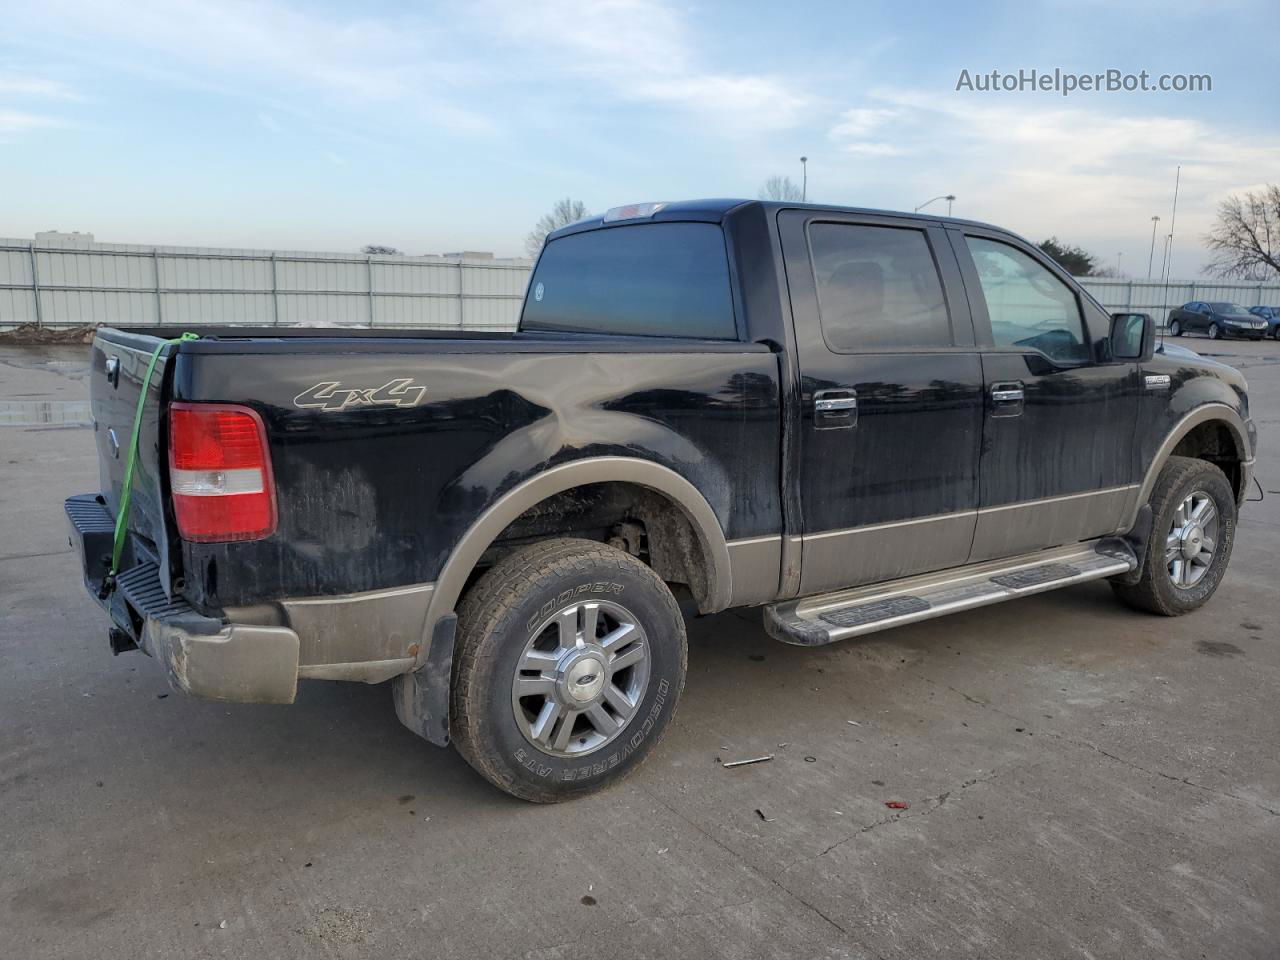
[118,366]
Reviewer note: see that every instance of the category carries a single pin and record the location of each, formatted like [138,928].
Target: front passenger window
[1027,304]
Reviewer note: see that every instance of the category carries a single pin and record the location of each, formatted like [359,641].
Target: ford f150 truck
[847,418]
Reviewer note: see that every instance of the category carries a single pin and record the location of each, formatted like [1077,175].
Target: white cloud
[1091,176]
[246,47]
[644,51]
[858,122]
[474,72]
[872,148]
[13,122]
[26,85]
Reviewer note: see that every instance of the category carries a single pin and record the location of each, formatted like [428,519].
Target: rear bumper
[241,662]
[203,656]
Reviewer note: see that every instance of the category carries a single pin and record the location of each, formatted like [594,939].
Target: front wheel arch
[1226,419]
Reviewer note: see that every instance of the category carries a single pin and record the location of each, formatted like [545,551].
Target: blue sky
[443,126]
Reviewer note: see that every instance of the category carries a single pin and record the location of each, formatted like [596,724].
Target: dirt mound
[29,333]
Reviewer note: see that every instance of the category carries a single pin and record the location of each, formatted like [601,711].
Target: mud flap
[422,697]
[1137,538]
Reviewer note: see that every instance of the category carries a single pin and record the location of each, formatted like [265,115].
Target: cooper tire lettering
[566,595]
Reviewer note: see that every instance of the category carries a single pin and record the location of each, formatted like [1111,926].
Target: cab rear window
[651,279]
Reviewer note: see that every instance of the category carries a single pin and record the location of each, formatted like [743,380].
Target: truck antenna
[1168,263]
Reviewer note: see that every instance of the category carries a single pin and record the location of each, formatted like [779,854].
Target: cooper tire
[1182,479]
[516,615]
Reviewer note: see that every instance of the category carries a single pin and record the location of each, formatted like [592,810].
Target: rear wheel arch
[684,532]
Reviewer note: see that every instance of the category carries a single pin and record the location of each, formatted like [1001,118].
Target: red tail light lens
[220,473]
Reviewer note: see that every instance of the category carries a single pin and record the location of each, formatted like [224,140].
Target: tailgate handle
[113,371]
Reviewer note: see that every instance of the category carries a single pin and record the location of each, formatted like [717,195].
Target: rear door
[1058,460]
[891,398]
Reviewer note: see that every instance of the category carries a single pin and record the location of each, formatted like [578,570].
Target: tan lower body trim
[1014,528]
[835,559]
[381,625]
[366,671]
[756,563]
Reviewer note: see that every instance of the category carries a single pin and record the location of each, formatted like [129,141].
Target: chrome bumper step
[812,621]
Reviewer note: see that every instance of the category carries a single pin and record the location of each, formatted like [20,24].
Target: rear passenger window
[652,279]
[878,288]
[1028,305]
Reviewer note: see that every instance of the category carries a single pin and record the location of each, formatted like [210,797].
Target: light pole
[804,179]
[1119,258]
[949,197]
[1155,221]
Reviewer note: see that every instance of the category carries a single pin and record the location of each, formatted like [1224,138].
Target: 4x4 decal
[331,395]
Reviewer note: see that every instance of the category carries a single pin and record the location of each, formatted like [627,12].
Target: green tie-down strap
[126,493]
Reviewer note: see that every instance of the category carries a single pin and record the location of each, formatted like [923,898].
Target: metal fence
[1158,298]
[72,283]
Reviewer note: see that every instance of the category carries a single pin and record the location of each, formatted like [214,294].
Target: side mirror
[1133,336]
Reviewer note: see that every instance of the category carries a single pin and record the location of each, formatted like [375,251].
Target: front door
[891,398]
[1058,455]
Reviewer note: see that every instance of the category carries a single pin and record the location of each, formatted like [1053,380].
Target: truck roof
[713,210]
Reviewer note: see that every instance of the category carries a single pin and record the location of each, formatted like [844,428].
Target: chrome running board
[826,618]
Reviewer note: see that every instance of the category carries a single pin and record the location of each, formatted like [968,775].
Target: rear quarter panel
[376,496]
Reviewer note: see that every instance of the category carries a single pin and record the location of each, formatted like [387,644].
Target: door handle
[1007,399]
[835,409]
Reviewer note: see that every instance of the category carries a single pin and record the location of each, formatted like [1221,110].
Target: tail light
[220,473]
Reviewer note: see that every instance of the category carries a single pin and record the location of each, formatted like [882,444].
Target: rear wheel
[571,656]
[1175,328]
[1193,529]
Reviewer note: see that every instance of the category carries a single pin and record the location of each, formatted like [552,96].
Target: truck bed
[373,495]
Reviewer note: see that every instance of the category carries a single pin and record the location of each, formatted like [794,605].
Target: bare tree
[781,188]
[378,249]
[1245,239]
[565,212]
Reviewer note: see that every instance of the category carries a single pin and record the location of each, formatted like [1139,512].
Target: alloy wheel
[1191,540]
[580,678]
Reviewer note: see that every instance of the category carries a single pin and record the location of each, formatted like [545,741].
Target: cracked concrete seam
[937,802]
[1187,781]
[646,918]
[753,869]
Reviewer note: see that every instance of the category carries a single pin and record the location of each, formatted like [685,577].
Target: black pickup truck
[851,419]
